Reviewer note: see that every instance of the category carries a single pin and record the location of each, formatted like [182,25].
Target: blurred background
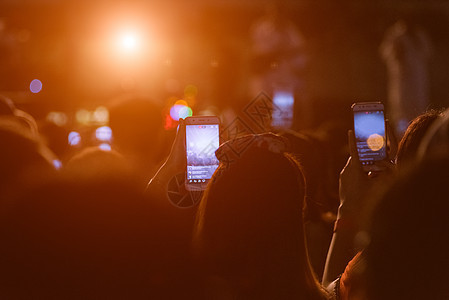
[63,61]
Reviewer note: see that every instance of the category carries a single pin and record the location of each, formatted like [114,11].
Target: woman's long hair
[249,229]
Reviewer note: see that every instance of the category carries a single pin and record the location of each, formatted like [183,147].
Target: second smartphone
[370,134]
[202,140]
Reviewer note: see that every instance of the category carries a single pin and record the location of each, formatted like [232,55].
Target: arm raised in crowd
[355,187]
[174,165]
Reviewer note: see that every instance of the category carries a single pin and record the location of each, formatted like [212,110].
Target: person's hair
[409,144]
[250,230]
[136,123]
[407,257]
[94,162]
[22,156]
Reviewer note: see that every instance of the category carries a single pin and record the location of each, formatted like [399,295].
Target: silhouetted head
[138,134]
[137,126]
[95,238]
[22,156]
[249,228]
[409,144]
[94,162]
[407,256]
[435,142]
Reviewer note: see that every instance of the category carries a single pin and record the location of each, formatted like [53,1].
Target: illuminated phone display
[202,140]
[282,116]
[369,127]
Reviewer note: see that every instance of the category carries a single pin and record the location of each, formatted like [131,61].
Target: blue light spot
[103,133]
[180,111]
[105,147]
[35,86]
[74,138]
[57,164]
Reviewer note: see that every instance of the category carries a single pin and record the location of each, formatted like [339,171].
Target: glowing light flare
[181,102]
[180,111]
[103,133]
[35,86]
[375,142]
[129,41]
[74,138]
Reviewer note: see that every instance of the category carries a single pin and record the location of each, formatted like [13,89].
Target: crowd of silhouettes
[276,220]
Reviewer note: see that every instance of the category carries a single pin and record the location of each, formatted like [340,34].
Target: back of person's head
[85,239]
[249,228]
[137,126]
[22,156]
[309,151]
[407,257]
[413,136]
[435,142]
[94,162]
[138,134]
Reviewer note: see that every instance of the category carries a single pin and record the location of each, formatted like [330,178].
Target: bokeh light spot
[103,133]
[58,118]
[375,142]
[74,138]
[82,116]
[57,164]
[35,86]
[180,111]
[101,115]
[105,147]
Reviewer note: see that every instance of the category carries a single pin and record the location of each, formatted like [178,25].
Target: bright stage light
[129,41]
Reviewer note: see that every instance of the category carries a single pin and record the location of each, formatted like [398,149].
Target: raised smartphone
[282,115]
[370,134]
[202,140]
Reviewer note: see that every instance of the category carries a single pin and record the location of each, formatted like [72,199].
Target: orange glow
[375,142]
[181,102]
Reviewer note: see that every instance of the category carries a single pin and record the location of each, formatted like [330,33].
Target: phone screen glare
[201,143]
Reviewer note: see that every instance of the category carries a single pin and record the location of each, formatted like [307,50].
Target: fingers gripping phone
[202,140]
[370,133]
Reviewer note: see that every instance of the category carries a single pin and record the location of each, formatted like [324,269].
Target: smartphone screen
[369,129]
[202,140]
[282,116]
